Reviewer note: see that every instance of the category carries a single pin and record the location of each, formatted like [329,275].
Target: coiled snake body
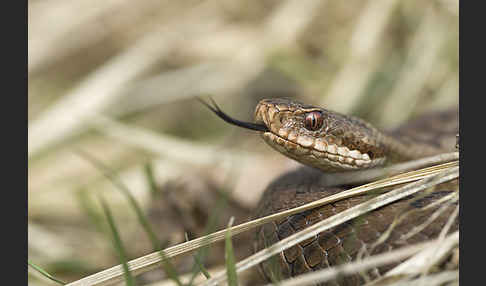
[330,142]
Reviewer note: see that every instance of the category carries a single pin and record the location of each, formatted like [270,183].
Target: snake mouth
[330,158]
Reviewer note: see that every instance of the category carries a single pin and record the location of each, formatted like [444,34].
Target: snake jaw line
[332,158]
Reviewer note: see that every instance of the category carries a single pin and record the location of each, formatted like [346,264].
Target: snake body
[331,142]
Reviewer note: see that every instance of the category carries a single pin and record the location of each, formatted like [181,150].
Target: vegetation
[118,80]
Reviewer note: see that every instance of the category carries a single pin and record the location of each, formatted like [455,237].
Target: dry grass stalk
[150,261]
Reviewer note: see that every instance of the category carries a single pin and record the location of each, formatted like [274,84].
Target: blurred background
[117,80]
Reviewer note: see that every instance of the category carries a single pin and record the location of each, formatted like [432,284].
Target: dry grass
[116,80]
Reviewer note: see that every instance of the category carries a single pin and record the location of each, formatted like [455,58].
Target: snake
[327,142]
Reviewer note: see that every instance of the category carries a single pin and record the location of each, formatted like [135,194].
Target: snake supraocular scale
[331,142]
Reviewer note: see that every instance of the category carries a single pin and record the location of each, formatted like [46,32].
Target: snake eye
[313,120]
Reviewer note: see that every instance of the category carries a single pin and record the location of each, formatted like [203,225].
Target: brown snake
[332,142]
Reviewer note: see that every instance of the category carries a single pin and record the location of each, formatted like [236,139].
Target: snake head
[319,137]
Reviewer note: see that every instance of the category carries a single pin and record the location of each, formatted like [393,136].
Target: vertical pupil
[313,121]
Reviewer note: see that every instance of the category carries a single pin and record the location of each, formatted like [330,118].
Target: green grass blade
[230,258]
[169,269]
[118,244]
[88,206]
[126,192]
[210,227]
[44,273]
[199,264]
[167,266]
[149,173]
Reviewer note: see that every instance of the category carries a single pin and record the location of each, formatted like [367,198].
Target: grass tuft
[167,266]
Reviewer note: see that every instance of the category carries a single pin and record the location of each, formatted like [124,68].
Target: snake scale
[327,142]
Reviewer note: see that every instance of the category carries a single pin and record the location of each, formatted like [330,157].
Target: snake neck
[400,149]
[427,135]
